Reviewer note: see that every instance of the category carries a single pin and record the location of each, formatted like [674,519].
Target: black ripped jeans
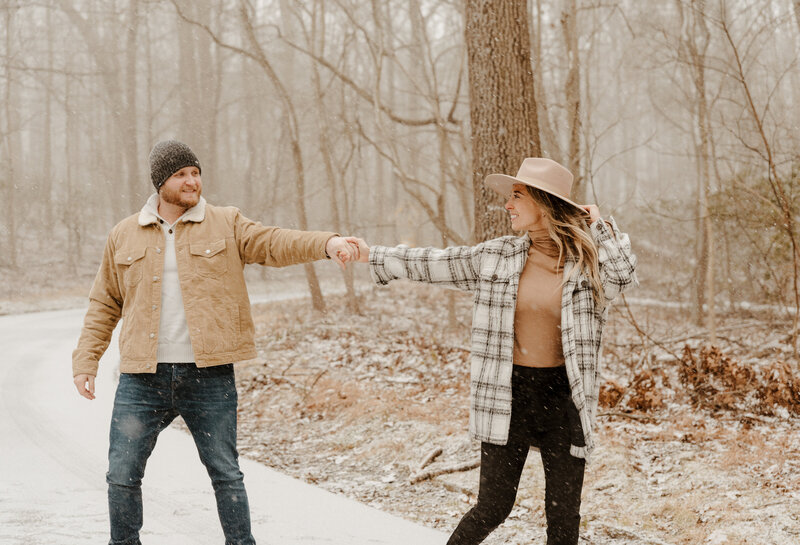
[543,416]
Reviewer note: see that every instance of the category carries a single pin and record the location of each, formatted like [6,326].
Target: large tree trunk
[502,104]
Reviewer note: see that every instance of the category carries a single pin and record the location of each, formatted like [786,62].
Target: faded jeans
[145,404]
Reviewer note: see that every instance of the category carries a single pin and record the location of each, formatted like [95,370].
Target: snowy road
[53,447]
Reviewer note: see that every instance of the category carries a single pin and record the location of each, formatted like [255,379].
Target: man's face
[183,188]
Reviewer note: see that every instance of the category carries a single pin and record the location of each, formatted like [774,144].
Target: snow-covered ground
[53,463]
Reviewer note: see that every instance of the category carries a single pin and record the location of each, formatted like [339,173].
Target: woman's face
[526,214]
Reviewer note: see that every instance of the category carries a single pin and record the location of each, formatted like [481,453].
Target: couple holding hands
[174,274]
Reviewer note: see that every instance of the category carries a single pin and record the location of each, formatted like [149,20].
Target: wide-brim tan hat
[539,172]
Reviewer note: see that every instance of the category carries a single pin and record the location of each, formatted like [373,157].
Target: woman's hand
[362,249]
[593,211]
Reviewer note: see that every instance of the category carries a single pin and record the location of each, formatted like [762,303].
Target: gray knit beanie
[168,157]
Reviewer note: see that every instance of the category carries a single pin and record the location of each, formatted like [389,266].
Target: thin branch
[455,468]
[363,93]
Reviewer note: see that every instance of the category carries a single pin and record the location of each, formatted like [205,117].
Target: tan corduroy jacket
[212,246]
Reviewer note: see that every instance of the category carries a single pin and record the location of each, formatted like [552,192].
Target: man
[174,274]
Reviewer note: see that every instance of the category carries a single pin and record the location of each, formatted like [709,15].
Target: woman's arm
[617,262]
[455,267]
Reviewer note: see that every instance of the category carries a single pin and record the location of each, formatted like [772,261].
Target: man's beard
[177,198]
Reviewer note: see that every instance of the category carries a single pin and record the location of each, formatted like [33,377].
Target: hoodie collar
[149,213]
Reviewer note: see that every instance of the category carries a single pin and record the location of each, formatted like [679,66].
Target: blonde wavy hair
[568,229]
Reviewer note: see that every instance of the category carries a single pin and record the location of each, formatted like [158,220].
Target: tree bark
[502,103]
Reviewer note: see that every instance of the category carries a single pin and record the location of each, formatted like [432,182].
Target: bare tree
[324,133]
[549,140]
[10,131]
[119,76]
[796,4]
[572,92]
[693,47]
[253,50]
[764,149]
[200,85]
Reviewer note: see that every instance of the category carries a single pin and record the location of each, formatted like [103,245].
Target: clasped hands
[343,250]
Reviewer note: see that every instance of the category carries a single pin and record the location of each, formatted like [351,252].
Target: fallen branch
[455,468]
[316,379]
[458,489]
[629,533]
[662,343]
[432,455]
[703,333]
[627,415]
[744,417]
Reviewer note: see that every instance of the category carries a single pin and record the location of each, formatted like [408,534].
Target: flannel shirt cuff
[604,229]
[377,265]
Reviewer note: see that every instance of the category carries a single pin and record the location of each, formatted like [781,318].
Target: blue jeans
[145,404]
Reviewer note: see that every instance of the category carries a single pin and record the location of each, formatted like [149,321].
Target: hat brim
[504,185]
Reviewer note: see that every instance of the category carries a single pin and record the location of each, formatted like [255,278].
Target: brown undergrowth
[711,380]
[694,445]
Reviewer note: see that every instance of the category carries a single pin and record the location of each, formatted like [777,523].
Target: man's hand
[85,385]
[594,212]
[342,250]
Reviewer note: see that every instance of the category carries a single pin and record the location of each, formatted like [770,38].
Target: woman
[540,304]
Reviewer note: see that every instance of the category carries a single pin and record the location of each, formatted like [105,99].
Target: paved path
[53,447]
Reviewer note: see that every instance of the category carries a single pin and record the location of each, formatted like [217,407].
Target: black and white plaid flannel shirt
[491,271]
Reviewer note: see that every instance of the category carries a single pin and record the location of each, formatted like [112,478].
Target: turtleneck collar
[542,243]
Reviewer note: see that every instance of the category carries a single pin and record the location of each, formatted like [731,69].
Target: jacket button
[494,277]
[155,279]
[152,335]
[130,258]
[158,250]
[208,251]
[153,307]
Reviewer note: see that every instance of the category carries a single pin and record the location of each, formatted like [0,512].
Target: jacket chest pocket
[496,270]
[130,263]
[209,259]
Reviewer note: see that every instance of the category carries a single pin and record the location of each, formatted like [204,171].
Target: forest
[380,119]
